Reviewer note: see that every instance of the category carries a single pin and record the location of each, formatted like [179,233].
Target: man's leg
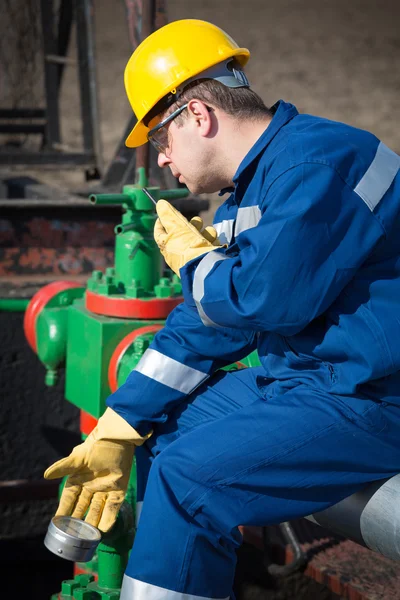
[262,463]
[197,410]
[143,458]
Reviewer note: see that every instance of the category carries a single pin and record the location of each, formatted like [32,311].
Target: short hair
[241,103]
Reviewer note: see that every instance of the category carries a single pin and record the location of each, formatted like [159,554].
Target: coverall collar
[283,112]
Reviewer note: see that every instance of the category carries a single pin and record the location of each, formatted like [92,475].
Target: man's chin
[201,189]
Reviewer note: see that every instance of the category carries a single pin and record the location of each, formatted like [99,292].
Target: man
[306,269]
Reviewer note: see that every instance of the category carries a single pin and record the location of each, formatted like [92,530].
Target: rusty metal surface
[56,242]
[352,571]
[347,569]
[25,286]
[53,239]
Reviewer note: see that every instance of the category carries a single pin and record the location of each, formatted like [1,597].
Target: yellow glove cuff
[111,426]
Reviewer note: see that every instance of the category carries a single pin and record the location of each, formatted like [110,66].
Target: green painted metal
[137,257]
[65,298]
[13,304]
[84,587]
[168,287]
[86,341]
[252,360]
[110,562]
[51,335]
[173,194]
[92,340]
[138,263]
[113,551]
[51,332]
[132,356]
[69,587]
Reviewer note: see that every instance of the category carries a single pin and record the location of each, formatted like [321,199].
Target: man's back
[312,175]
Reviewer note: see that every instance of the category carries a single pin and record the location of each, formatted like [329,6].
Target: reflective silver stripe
[247,217]
[133,589]
[138,508]
[225,230]
[202,270]
[378,177]
[170,372]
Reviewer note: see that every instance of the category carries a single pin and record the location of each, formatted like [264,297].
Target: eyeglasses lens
[160,139]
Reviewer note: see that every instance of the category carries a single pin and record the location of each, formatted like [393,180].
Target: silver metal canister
[72,539]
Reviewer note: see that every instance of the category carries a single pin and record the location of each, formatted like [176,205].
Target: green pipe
[14,304]
[124,228]
[109,199]
[113,551]
[176,193]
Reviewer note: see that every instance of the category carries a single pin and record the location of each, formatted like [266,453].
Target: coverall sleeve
[314,233]
[181,356]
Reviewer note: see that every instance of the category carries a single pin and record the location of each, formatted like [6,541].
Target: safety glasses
[158,135]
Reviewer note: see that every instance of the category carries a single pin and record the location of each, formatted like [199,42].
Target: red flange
[37,304]
[131,308]
[83,569]
[87,423]
[121,349]
[240,365]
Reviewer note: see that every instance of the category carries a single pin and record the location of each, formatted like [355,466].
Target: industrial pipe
[370,517]
[13,304]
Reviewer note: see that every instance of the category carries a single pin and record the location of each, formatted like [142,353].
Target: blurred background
[63,117]
[335,59]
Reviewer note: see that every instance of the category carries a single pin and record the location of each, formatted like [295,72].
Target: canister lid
[72,538]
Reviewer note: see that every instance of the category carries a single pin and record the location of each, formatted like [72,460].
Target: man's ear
[201,115]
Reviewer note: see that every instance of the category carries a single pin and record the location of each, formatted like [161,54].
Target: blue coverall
[311,278]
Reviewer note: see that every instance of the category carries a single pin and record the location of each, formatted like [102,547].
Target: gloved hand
[209,232]
[98,471]
[180,241]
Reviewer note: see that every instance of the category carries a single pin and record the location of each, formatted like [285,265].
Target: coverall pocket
[367,415]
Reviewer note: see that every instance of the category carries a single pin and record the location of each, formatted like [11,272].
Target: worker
[305,269]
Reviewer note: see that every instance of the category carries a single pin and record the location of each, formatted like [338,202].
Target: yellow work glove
[210,233]
[180,241]
[98,472]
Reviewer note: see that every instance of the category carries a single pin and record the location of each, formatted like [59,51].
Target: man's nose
[163,160]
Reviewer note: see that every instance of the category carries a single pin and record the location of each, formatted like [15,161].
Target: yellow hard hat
[165,60]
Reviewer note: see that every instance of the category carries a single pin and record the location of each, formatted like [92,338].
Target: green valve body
[137,257]
[101,333]
[92,340]
[138,263]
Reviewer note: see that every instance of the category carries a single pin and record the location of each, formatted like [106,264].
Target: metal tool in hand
[146,191]
[72,539]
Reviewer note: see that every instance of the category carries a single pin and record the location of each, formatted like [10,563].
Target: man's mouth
[178,176]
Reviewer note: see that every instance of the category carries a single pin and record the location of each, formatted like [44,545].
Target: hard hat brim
[138,136]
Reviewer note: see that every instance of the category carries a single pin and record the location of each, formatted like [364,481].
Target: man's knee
[178,469]
[179,475]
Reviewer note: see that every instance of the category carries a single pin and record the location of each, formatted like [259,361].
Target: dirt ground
[339,59]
